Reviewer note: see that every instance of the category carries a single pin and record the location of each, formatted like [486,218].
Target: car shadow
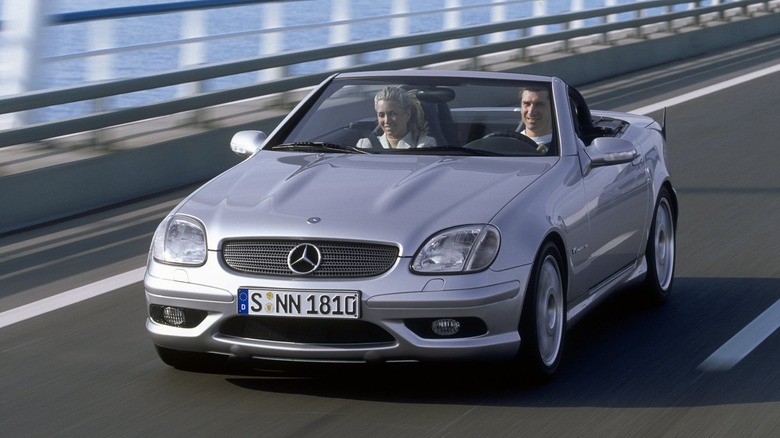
[626,353]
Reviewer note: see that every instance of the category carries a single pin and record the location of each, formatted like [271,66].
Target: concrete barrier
[614,60]
[37,196]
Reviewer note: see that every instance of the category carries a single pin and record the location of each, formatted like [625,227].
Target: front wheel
[661,249]
[543,320]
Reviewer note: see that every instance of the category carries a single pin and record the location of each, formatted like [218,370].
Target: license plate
[307,304]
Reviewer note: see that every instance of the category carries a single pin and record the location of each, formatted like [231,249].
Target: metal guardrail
[129,11]
[693,15]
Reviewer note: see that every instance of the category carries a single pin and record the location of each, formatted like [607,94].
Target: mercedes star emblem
[304,259]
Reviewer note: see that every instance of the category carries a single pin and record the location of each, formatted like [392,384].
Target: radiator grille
[339,259]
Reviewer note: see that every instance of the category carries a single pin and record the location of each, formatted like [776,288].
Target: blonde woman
[401,118]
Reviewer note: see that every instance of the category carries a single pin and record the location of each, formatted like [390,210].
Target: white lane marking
[706,90]
[750,337]
[72,296]
[733,351]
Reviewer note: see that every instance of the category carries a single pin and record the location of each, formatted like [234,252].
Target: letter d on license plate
[307,304]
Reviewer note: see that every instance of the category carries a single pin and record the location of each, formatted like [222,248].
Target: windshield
[428,116]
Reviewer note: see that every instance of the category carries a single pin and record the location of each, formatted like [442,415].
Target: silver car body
[594,201]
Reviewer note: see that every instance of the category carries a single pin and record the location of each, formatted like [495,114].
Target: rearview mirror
[246,143]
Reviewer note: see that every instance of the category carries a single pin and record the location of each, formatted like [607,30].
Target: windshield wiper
[318,146]
[456,150]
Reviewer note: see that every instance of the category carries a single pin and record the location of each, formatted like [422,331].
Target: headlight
[459,250]
[180,240]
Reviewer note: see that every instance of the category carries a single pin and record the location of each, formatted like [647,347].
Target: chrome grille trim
[339,259]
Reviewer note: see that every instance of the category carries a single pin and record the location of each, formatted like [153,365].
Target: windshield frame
[475,106]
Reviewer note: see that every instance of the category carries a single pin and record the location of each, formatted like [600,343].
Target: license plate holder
[299,303]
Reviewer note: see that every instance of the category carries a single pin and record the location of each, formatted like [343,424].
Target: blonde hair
[408,100]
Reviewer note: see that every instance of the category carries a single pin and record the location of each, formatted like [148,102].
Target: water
[59,68]
[63,40]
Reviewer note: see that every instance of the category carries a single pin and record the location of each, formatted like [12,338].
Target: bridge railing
[560,32]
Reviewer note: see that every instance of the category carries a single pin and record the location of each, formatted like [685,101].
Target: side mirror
[606,151]
[246,143]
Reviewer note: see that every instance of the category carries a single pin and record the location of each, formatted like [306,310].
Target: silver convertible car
[412,217]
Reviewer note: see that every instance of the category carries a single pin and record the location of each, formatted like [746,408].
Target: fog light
[174,316]
[445,327]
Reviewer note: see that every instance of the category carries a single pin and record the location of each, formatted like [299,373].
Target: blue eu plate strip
[243,302]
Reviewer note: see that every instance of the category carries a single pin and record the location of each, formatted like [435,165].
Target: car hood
[399,199]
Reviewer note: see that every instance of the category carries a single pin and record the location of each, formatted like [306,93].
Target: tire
[543,320]
[661,250]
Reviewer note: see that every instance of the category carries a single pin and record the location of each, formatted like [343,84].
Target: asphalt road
[705,364]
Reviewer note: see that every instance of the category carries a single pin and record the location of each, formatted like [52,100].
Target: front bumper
[395,325]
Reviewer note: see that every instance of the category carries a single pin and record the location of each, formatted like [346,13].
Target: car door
[617,199]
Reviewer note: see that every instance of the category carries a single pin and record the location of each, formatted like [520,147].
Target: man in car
[536,116]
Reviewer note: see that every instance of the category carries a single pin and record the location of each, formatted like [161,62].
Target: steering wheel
[524,140]
[368,134]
